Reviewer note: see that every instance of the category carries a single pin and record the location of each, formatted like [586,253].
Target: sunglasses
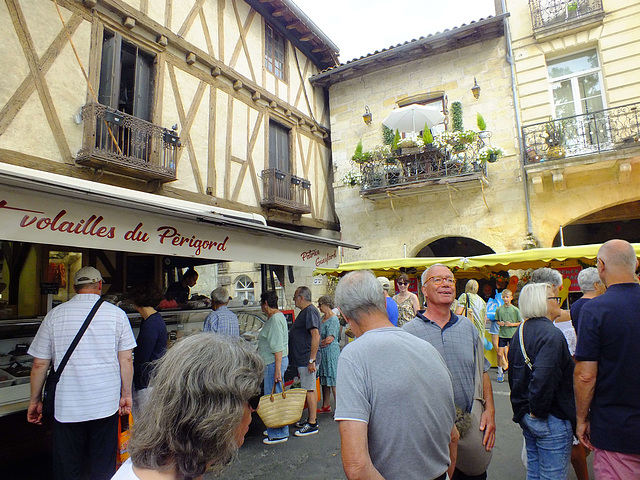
[402,283]
[254,402]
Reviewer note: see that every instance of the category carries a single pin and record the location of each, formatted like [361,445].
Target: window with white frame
[576,84]
[244,288]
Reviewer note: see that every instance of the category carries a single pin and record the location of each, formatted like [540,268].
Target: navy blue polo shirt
[609,333]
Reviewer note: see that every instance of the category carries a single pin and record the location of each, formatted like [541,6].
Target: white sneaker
[273,441]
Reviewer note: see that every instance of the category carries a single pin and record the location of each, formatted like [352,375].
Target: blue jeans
[548,442]
[269,374]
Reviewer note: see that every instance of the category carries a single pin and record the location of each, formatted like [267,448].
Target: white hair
[587,278]
[358,294]
[533,300]
[547,275]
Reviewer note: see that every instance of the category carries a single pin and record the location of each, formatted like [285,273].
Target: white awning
[46,208]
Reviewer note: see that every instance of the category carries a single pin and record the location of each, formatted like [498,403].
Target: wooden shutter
[110,70]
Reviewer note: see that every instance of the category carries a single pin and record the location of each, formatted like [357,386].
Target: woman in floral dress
[330,350]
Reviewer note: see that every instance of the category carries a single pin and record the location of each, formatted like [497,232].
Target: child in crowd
[508,317]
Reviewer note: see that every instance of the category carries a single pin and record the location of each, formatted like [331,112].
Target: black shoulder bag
[49,394]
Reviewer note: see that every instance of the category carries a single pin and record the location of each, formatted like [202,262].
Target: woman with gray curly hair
[199,409]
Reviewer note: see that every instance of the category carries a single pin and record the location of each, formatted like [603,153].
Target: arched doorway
[621,221]
[454,247]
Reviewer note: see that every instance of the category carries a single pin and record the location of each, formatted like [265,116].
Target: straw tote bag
[280,409]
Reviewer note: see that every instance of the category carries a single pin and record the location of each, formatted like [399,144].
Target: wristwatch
[311,360]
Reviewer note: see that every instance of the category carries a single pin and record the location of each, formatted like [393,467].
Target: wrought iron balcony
[286,192]
[602,131]
[420,167]
[556,13]
[124,144]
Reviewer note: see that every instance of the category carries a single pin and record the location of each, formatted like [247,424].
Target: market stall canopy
[555,257]
[380,267]
[42,207]
[481,265]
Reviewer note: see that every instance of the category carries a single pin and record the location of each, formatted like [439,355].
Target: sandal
[326,409]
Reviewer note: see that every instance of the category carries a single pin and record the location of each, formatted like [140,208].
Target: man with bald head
[608,367]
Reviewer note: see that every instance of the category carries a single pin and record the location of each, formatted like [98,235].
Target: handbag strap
[479,354]
[273,390]
[77,338]
[524,352]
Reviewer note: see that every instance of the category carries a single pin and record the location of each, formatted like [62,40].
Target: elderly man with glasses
[461,347]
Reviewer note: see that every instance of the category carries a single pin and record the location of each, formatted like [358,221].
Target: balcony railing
[602,131]
[286,192]
[551,13]
[416,166]
[128,145]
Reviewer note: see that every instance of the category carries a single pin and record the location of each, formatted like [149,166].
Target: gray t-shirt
[399,385]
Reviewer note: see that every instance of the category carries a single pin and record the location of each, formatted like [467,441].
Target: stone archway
[621,221]
[454,247]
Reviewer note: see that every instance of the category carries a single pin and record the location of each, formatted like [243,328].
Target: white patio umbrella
[406,119]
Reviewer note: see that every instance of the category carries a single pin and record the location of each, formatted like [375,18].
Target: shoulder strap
[524,352]
[77,338]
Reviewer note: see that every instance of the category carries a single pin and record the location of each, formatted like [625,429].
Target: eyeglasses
[557,299]
[254,402]
[442,280]
[402,283]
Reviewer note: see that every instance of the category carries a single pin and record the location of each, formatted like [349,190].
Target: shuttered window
[126,77]
[278,147]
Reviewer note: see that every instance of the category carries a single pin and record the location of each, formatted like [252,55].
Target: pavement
[317,457]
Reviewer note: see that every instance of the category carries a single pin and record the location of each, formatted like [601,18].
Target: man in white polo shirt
[94,386]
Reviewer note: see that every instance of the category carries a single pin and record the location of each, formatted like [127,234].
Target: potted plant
[351,179]
[554,138]
[427,138]
[359,156]
[482,127]
[489,154]
[396,139]
[572,9]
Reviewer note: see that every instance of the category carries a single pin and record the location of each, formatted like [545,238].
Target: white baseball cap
[87,275]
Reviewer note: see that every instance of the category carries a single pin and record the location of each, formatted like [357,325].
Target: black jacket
[548,389]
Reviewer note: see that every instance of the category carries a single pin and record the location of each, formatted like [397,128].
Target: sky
[359,27]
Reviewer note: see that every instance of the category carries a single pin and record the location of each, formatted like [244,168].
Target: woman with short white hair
[591,286]
[541,382]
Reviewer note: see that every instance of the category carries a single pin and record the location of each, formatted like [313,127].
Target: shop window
[274,51]
[244,288]
[126,77]
[279,147]
[61,270]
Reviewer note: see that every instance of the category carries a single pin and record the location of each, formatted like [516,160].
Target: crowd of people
[571,376]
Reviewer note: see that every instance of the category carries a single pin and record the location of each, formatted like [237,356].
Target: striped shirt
[457,342]
[222,321]
[89,387]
